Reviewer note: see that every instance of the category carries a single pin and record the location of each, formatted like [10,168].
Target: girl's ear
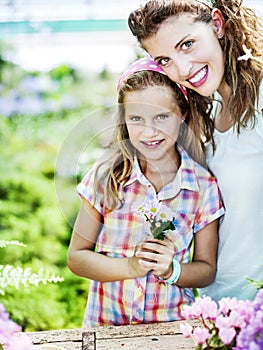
[218,22]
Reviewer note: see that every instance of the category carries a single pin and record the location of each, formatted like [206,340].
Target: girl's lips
[199,78]
[152,144]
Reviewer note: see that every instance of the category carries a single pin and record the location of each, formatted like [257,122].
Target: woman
[214,49]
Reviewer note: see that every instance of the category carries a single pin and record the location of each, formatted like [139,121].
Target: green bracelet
[176,272]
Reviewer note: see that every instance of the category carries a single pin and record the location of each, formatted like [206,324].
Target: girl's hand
[136,268]
[156,255]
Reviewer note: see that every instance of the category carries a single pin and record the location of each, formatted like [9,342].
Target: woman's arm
[84,262]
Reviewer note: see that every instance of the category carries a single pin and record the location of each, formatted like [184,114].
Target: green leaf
[159,227]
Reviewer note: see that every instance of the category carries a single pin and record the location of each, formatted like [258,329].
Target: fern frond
[4,244]
[16,276]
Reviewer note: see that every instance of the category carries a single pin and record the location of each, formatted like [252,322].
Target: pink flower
[19,341]
[201,335]
[237,321]
[203,307]
[208,308]
[222,322]
[186,329]
[227,304]
[227,335]
[9,336]
[191,311]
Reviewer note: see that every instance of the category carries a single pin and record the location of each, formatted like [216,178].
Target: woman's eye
[163,61]
[187,44]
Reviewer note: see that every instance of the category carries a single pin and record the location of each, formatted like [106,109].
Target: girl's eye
[135,118]
[187,44]
[162,116]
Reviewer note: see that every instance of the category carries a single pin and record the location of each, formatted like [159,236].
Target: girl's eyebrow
[175,47]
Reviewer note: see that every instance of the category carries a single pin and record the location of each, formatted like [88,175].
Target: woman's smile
[199,78]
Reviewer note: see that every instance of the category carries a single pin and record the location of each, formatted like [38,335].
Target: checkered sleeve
[210,205]
[86,189]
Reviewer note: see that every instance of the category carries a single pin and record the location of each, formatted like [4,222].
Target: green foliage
[29,208]
[63,72]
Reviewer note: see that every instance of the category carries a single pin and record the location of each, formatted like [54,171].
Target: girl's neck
[162,172]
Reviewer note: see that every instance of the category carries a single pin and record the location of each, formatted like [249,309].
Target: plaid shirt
[195,200]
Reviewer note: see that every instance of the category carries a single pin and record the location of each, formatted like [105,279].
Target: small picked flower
[159,216]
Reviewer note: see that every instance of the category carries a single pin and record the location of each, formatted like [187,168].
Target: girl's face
[153,121]
[189,52]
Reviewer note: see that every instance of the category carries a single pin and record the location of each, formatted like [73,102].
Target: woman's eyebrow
[175,46]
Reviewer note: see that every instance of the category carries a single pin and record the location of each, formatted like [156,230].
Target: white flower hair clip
[248,55]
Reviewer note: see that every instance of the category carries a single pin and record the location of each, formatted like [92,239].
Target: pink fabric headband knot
[145,63]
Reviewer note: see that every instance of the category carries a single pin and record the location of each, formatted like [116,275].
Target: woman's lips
[199,78]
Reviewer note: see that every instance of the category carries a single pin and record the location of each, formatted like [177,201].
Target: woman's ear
[219,22]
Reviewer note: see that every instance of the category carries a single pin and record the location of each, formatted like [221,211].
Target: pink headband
[146,63]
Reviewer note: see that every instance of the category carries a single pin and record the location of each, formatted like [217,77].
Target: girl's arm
[84,262]
[202,270]
[158,255]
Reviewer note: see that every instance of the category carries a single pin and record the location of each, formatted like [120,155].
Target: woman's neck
[223,118]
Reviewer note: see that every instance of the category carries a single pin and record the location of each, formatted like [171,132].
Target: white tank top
[238,165]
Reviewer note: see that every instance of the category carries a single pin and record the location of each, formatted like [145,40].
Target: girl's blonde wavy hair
[114,170]
[243,29]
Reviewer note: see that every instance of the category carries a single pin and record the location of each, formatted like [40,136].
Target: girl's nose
[150,130]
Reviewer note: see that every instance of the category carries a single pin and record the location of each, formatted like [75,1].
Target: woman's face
[190,53]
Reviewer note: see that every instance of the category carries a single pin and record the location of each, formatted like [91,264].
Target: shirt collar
[184,179]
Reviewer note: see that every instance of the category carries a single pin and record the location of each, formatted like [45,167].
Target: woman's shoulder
[260,97]
[259,111]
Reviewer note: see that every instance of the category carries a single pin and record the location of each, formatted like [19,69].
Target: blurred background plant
[37,111]
[17,276]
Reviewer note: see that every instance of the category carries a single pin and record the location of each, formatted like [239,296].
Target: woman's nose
[182,67]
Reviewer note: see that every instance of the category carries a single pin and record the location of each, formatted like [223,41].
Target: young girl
[136,278]
[215,48]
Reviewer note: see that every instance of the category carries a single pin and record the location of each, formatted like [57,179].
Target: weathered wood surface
[157,336]
[69,339]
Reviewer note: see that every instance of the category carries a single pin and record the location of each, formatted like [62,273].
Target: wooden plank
[68,339]
[155,336]
[56,335]
[163,342]
[140,330]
